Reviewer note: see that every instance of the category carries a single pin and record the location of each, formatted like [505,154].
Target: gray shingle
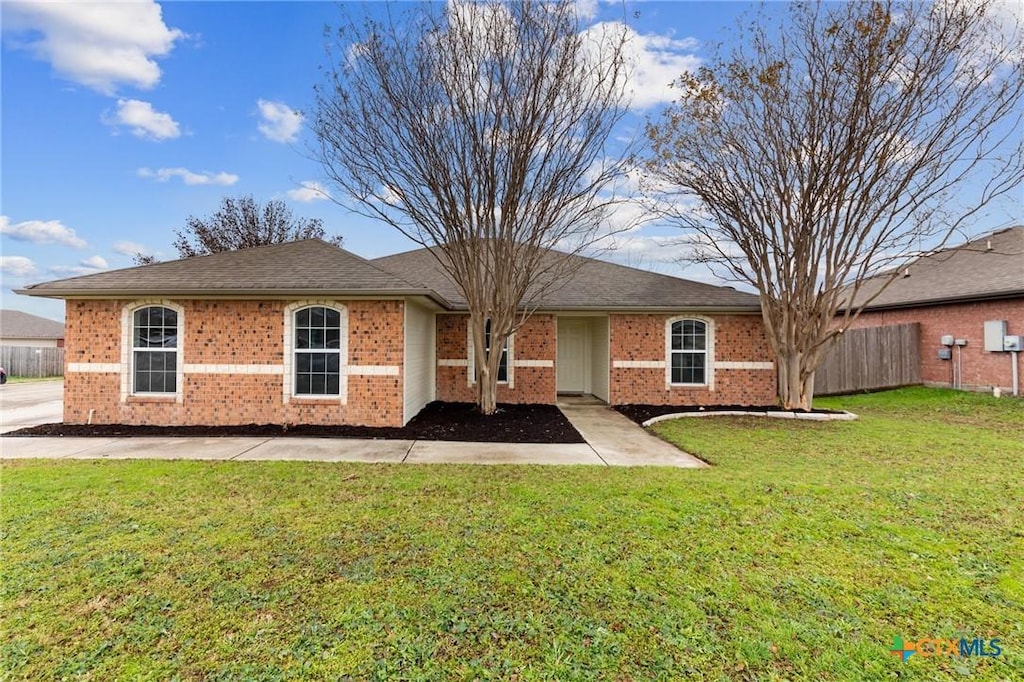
[309,266]
[595,285]
[14,324]
[990,266]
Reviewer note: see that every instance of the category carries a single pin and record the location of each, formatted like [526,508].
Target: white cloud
[310,191]
[99,45]
[189,177]
[143,120]
[41,232]
[94,262]
[586,9]
[654,61]
[17,266]
[129,248]
[280,122]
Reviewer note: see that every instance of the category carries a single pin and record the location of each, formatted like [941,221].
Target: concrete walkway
[298,449]
[618,441]
[612,440]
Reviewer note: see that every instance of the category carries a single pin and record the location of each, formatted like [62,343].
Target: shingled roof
[594,285]
[309,267]
[313,267]
[14,324]
[989,267]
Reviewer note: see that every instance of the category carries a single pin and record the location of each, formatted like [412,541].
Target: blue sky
[120,120]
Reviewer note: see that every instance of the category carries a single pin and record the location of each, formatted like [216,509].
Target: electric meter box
[995,330]
[1013,343]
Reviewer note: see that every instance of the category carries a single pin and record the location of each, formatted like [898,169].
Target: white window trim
[128,355]
[288,389]
[709,352]
[510,343]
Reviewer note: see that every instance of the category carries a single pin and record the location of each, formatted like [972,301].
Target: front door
[572,359]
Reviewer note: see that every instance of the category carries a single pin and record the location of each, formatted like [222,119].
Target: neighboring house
[953,292]
[306,332]
[22,329]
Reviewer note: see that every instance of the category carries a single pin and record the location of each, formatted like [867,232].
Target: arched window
[317,351]
[155,349]
[688,352]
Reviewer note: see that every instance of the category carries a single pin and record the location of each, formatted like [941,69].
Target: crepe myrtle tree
[480,130]
[242,223]
[824,146]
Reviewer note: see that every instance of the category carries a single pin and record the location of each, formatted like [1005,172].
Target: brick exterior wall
[535,341]
[236,333]
[980,370]
[640,339]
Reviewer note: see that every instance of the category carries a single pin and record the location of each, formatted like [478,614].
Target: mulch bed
[436,421]
[641,413]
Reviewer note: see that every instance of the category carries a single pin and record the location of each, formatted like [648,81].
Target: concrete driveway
[29,404]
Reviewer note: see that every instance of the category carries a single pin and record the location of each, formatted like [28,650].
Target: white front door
[572,361]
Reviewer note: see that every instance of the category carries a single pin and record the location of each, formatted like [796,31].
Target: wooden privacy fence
[29,361]
[871,358]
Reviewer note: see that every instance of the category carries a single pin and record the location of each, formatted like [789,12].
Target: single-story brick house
[306,332]
[954,292]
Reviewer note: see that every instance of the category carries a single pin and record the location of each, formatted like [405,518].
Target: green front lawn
[800,555]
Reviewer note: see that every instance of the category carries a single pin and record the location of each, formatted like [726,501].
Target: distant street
[39,402]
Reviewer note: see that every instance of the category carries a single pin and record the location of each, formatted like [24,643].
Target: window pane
[503,367]
[317,328]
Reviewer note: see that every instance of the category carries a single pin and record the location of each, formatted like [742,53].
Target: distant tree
[243,223]
[144,259]
[818,149]
[482,128]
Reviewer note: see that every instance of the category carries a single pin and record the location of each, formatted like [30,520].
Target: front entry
[573,356]
[581,363]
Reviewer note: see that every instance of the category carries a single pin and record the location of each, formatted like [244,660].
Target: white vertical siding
[599,357]
[419,358]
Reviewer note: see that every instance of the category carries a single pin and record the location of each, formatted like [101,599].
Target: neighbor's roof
[987,267]
[15,324]
[594,285]
[302,268]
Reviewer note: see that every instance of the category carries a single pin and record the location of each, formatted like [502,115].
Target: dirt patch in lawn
[641,413]
[437,421]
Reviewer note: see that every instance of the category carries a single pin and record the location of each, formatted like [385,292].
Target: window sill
[671,386]
[140,399]
[316,400]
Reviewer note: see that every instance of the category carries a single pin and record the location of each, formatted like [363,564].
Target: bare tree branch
[821,149]
[481,128]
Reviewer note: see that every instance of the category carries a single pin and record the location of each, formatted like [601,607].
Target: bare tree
[243,223]
[144,258]
[481,128]
[818,149]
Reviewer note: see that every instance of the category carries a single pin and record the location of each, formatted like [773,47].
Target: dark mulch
[436,421]
[641,413]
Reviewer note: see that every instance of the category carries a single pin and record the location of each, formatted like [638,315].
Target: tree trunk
[487,392]
[485,368]
[796,384]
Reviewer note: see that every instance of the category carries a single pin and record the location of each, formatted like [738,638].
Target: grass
[31,380]
[800,555]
